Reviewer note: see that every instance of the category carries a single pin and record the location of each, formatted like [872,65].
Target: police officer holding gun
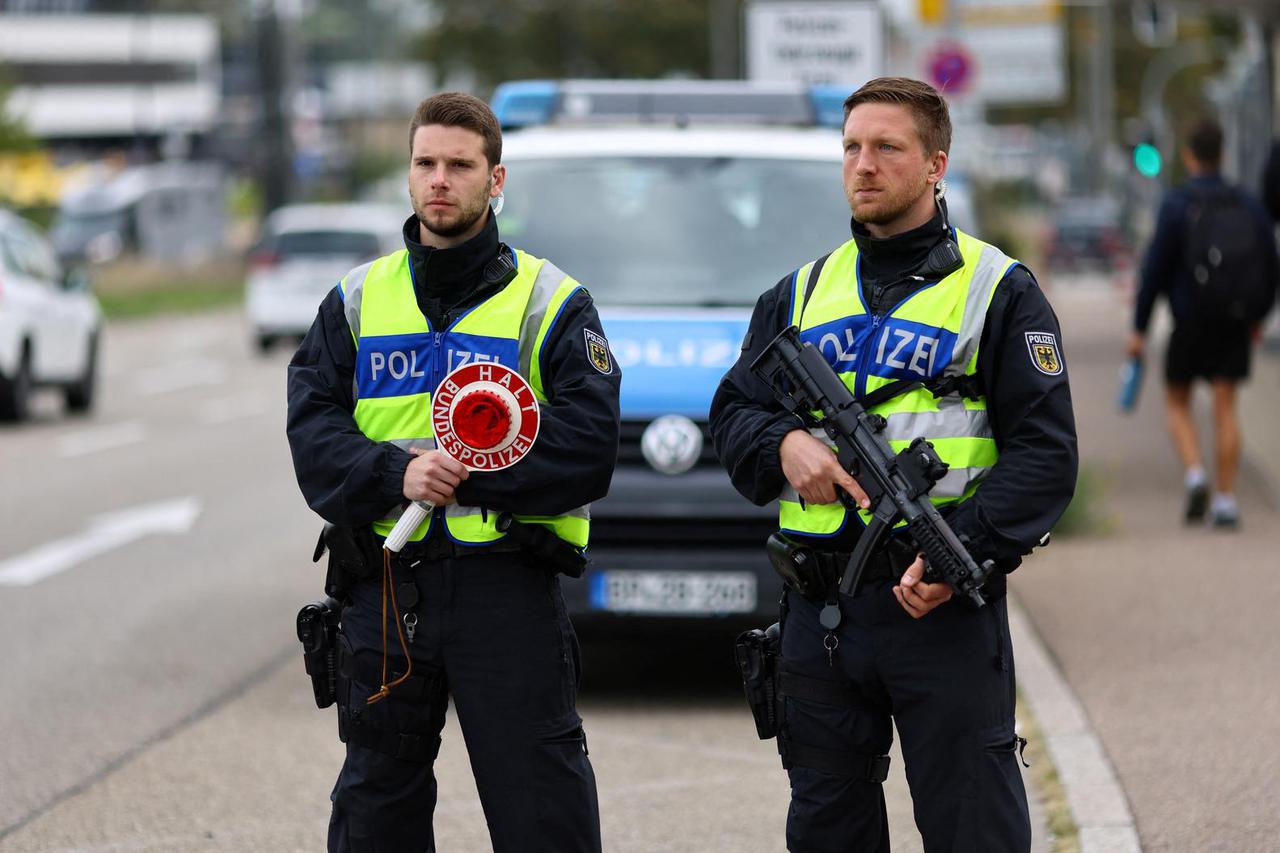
[947,339]
[470,608]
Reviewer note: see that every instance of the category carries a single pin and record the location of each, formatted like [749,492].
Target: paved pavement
[1167,634]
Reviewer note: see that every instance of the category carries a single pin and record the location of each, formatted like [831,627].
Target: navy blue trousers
[495,630]
[947,681]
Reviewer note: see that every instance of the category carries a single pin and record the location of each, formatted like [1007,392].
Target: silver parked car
[303,252]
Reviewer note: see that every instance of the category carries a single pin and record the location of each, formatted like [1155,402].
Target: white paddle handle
[409,521]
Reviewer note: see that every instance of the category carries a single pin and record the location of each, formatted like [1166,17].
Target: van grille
[629,453]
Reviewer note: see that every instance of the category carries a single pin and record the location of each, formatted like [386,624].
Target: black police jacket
[1029,487]
[351,480]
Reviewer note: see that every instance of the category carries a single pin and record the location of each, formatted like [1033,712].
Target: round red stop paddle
[485,415]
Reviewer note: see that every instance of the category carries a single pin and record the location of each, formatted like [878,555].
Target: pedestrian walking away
[946,338]
[470,608]
[1213,257]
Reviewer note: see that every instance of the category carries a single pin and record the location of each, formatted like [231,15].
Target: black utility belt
[816,573]
[881,565]
[436,547]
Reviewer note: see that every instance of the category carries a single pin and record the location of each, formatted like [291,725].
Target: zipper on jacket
[868,344]
[864,357]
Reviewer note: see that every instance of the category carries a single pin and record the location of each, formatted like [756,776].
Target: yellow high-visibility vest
[932,334]
[400,360]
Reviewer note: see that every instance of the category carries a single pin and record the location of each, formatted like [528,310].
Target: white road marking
[180,375]
[107,437]
[106,532]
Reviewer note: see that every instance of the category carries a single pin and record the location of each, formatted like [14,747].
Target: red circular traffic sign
[485,415]
[950,68]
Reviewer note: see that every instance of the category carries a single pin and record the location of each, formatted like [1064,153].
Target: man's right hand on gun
[432,476]
[813,470]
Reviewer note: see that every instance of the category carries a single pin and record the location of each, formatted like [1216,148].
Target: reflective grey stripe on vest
[991,267]
[952,420]
[905,426]
[544,288]
[352,294]
[406,443]
[954,483]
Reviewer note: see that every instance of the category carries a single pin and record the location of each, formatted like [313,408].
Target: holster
[757,653]
[811,573]
[317,626]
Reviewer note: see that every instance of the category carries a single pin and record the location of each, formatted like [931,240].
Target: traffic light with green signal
[1147,159]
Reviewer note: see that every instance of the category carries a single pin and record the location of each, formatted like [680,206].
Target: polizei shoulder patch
[1043,347]
[598,352]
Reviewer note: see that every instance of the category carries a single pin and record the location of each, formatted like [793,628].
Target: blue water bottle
[1130,384]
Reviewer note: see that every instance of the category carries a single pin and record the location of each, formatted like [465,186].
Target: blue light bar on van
[828,105]
[525,102]
[521,103]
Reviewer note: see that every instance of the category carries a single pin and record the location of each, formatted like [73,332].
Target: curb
[1098,803]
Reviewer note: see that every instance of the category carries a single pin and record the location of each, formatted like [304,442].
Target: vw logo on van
[671,444]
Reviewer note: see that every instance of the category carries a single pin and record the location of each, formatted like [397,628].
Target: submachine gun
[897,484]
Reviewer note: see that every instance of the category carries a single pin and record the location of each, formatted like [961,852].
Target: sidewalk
[1166,633]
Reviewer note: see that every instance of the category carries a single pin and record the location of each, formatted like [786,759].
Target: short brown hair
[933,119]
[1204,141]
[457,109]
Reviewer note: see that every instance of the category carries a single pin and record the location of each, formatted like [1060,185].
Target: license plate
[673,593]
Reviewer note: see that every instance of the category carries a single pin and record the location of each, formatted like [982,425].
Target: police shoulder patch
[1043,347]
[598,352]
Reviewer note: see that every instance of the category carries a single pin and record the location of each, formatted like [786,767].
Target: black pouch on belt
[352,557]
[547,549]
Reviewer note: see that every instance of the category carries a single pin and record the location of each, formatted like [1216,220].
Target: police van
[676,204]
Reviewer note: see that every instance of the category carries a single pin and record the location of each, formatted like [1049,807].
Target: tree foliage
[13,133]
[512,39]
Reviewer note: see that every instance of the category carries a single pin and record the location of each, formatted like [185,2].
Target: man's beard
[889,206]
[467,214]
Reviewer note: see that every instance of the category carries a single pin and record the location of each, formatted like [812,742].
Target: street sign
[814,43]
[1003,64]
[950,68]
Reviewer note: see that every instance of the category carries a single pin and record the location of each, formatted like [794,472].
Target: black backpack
[1225,257]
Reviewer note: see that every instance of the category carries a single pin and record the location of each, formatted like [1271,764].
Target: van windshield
[675,231]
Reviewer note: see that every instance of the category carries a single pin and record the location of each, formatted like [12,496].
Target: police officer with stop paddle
[470,608]
[943,337]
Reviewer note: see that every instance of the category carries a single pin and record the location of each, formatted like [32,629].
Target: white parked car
[304,250]
[49,323]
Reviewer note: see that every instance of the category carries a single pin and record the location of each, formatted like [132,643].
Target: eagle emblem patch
[598,352]
[1044,352]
